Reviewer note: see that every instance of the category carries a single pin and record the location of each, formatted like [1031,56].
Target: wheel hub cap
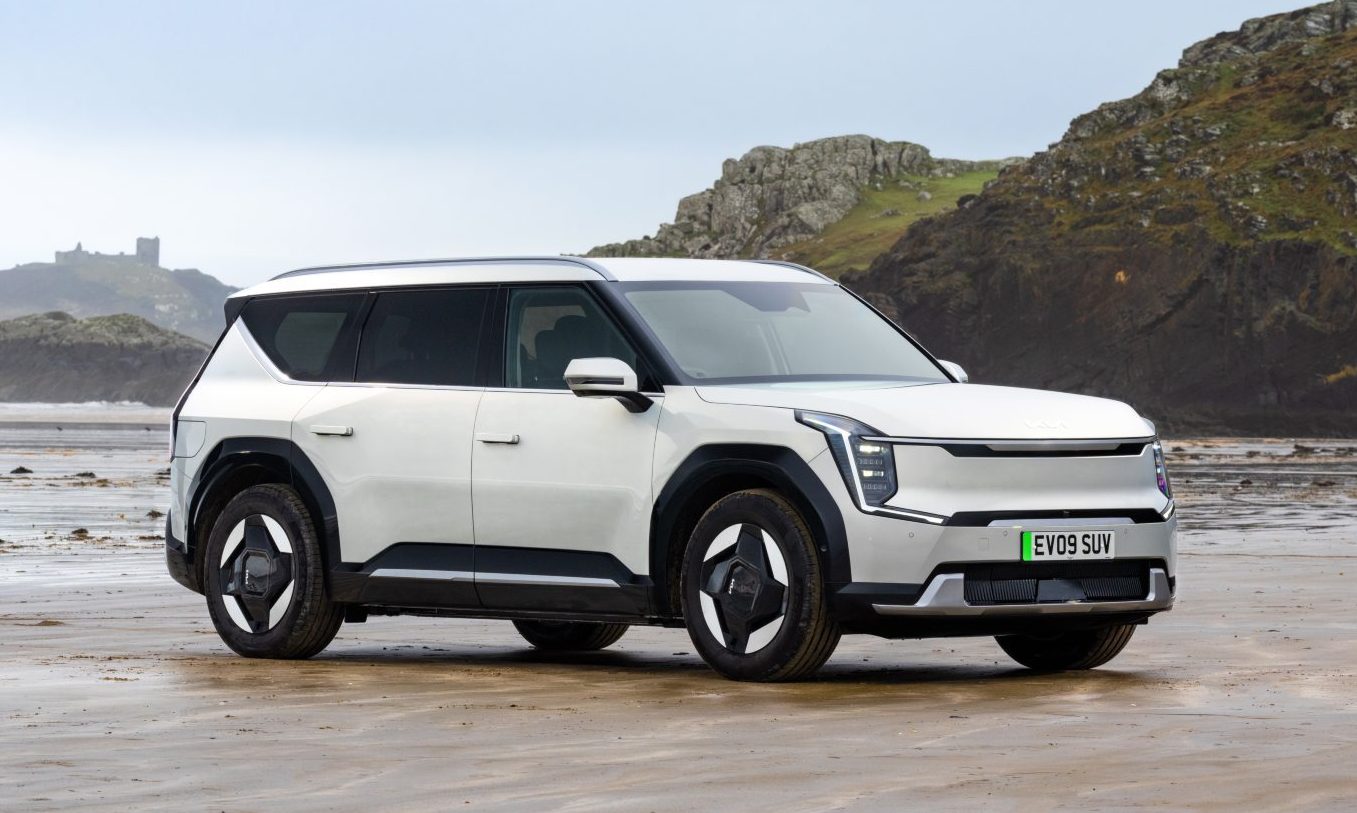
[744,588]
[256,573]
[255,569]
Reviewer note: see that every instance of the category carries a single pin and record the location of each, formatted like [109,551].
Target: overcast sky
[256,137]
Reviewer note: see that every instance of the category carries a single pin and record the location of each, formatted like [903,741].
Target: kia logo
[1044,423]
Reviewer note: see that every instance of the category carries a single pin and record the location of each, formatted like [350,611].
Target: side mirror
[955,369]
[606,378]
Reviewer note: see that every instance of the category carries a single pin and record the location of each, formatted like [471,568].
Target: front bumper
[910,579]
[945,596]
[945,604]
[891,558]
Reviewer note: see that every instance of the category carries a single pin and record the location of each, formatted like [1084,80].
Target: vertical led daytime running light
[1161,472]
[868,467]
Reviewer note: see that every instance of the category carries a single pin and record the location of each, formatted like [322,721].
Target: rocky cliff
[89,284]
[1192,249]
[56,357]
[780,202]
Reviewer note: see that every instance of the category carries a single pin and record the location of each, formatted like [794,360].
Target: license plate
[1060,546]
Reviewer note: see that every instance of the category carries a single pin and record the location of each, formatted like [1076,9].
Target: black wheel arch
[237,463]
[713,471]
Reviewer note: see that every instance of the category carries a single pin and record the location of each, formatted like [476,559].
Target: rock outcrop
[773,197]
[1192,249]
[55,357]
[1265,34]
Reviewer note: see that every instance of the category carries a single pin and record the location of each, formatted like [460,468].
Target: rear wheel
[1081,649]
[264,578]
[578,636]
[753,595]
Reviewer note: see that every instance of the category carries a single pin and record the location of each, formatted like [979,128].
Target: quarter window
[428,337]
[309,338]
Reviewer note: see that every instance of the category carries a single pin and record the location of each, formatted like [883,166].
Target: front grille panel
[1020,583]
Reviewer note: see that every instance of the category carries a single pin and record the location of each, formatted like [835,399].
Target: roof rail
[786,264]
[562,259]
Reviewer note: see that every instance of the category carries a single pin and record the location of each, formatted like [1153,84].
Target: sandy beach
[116,694]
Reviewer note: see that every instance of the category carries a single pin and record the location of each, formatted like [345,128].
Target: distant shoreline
[93,412]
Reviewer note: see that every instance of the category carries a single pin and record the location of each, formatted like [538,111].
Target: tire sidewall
[777,518]
[564,636]
[1075,650]
[306,571]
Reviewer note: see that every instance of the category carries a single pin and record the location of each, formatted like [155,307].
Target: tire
[567,636]
[267,602]
[1080,649]
[753,595]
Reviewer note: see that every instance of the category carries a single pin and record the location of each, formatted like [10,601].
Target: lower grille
[1011,583]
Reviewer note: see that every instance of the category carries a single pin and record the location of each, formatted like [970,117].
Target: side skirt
[511,615]
[494,582]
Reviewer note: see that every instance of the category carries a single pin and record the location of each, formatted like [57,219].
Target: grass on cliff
[1278,154]
[875,224]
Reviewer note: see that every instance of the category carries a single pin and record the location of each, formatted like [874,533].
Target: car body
[542,439]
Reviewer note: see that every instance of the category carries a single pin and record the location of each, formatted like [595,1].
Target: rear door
[561,484]
[394,444]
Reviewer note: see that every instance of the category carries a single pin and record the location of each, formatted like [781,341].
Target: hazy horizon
[254,138]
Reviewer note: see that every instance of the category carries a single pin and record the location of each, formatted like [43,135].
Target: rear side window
[310,338]
[429,337]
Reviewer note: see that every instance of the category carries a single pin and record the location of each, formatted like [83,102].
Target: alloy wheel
[256,573]
[743,590]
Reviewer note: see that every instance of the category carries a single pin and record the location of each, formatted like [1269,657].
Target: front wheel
[753,593]
[1080,649]
[264,577]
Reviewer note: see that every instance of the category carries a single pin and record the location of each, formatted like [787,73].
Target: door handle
[341,431]
[497,437]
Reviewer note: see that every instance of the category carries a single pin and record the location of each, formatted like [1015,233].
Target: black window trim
[658,370]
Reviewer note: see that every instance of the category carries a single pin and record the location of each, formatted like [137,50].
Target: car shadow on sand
[421,668]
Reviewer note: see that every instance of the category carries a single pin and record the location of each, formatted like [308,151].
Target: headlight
[1161,472]
[867,466]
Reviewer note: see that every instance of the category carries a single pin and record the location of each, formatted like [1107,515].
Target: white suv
[579,445]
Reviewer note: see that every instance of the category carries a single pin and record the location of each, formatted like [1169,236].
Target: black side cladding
[776,465]
[177,561]
[276,460]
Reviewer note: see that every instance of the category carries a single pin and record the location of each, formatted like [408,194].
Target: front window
[755,332]
[550,327]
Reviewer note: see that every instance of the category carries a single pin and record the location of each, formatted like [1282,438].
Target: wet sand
[116,694]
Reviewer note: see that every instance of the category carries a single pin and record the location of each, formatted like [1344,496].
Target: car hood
[970,411]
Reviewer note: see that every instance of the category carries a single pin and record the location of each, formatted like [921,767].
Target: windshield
[754,332]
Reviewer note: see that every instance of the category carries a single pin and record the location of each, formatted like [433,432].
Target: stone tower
[148,250]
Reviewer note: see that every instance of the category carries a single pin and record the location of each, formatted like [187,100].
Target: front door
[561,484]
